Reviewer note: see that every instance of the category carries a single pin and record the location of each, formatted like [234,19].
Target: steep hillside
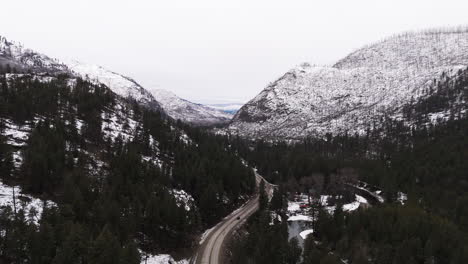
[416,171]
[119,84]
[352,96]
[14,56]
[116,176]
[189,112]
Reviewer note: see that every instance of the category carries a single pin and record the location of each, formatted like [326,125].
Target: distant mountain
[188,112]
[353,95]
[14,55]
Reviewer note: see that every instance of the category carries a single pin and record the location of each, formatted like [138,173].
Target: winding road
[211,249]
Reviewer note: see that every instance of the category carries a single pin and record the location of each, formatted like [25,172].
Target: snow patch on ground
[300,218]
[355,205]
[377,194]
[185,138]
[183,199]
[296,213]
[16,135]
[162,259]
[305,233]
[293,207]
[351,206]
[402,198]
[17,159]
[28,203]
[118,123]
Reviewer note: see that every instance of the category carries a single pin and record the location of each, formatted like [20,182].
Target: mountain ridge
[23,59]
[356,92]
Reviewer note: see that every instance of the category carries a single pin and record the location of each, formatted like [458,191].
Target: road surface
[210,250]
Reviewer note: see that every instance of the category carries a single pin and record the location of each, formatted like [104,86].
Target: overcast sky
[209,51]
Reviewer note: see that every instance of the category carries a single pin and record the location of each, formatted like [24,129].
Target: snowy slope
[355,93]
[16,56]
[189,112]
[119,84]
[118,122]
[14,197]
[23,59]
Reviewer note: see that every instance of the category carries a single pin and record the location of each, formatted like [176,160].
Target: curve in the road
[211,249]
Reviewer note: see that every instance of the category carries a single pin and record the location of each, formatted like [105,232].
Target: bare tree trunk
[14,201]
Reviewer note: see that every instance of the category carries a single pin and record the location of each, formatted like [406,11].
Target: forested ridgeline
[114,170]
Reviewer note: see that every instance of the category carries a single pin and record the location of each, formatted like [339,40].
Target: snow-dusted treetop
[427,49]
[370,83]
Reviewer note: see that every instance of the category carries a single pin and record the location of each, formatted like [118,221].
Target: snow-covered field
[300,214]
[296,213]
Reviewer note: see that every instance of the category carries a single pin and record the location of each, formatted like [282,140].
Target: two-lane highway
[211,249]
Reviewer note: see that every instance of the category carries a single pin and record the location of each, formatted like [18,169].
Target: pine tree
[105,249]
[294,252]
[130,254]
[263,198]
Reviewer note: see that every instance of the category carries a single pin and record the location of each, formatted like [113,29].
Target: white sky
[210,51]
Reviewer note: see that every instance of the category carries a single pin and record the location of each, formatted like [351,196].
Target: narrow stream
[295,228]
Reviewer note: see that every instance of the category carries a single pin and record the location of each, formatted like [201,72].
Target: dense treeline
[265,240]
[110,200]
[389,234]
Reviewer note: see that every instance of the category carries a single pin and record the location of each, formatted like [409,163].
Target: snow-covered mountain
[189,112]
[373,82]
[119,84]
[14,55]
